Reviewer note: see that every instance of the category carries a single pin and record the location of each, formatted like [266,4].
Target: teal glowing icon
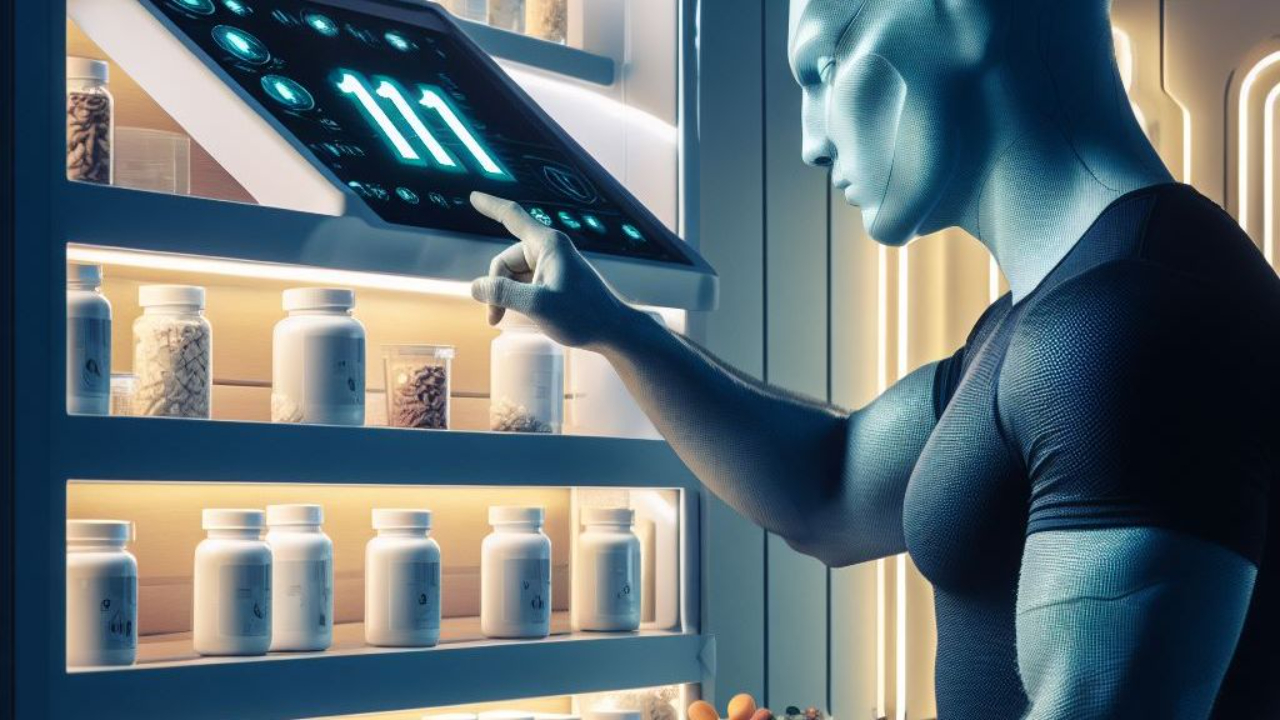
[433,98]
[241,44]
[287,92]
[322,24]
[354,85]
[594,223]
[632,232]
[568,220]
[399,42]
[540,215]
[408,195]
[199,7]
[237,7]
[390,90]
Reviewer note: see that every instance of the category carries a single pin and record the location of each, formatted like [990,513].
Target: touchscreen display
[412,121]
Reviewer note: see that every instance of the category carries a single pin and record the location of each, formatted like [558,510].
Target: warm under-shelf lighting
[1269,174]
[267,271]
[1243,159]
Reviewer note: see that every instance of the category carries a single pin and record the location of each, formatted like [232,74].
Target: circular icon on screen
[241,44]
[594,223]
[287,92]
[199,7]
[322,24]
[632,232]
[408,195]
[568,220]
[541,216]
[237,7]
[399,42]
[567,182]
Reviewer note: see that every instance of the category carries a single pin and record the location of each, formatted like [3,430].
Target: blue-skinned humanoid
[1087,482]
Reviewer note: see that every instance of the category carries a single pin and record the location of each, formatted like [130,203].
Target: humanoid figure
[1087,483]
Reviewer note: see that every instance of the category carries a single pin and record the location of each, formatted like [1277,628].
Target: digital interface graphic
[412,121]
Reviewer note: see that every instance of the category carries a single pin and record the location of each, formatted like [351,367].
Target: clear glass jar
[547,20]
[402,581]
[173,353]
[507,14]
[301,578]
[418,385]
[91,121]
[515,575]
[318,359]
[607,587]
[102,593]
[526,379]
[231,591]
[475,10]
[123,387]
[88,342]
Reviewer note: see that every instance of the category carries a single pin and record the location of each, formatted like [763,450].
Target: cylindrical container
[417,379]
[90,121]
[505,715]
[232,589]
[546,19]
[123,387]
[607,592]
[507,14]
[515,575]
[317,359]
[301,578]
[612,714]
[88,342]
[526,379]
[173,353]
[599,402]
[102,593]
[402,581]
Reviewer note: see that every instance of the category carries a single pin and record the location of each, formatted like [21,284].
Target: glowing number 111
[354,86]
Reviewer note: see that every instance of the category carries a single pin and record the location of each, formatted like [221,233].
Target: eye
[826,67]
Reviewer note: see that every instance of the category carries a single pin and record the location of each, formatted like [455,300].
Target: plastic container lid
[506,715]
[608,516]
[79,68]
[299,514]
[232,519]
[515,514]
[112,531]
[319,299]
[440,352]
[162,295]
[84,274]
[612,714]
[400,518]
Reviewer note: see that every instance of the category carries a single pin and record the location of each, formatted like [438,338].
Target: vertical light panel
[1243,160]
[882,384]
[1269,175]
[900,595]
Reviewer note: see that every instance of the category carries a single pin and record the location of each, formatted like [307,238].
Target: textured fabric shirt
[1137,386]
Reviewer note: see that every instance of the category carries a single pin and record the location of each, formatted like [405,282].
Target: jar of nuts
[90,121]
[418,385]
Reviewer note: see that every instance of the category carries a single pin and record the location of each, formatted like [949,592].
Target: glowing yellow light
[1269,174]
[267,271]
[1246,91]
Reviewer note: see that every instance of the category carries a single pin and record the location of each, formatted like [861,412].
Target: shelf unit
[54,449]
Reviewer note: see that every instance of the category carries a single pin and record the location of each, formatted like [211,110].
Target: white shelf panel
[354,678]
[160,449]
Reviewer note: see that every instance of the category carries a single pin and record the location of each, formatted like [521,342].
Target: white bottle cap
[608,516]
[162,295]
[514,514]
[79,68]
[232,519]
[513,319]
[612,714]
[319,299]
[400,518]
[113,531]
[299,514]
[84,273]
[506,715]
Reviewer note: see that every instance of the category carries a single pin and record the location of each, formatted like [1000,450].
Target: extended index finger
[511,215]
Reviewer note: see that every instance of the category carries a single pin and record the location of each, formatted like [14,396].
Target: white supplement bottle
[318,359]
[232,593]
[402,581]
[88,342]
[102,594]
[607,593]
[515,575]
[172,353]
[301,578]
[526,378]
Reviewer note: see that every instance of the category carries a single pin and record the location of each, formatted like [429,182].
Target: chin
[884,230]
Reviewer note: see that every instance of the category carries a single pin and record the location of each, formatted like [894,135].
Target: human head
[909,101]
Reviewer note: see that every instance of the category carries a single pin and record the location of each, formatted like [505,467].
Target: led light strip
[267,271]
[1269,175]
[882,384]
[1243,159]
[904,337]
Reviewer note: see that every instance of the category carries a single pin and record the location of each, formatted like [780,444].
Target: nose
[816,148]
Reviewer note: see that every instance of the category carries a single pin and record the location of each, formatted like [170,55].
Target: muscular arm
[1127,622]
[828,481]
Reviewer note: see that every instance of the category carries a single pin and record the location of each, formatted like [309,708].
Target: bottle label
[414,597]
[528,591]
[617,582]
[89,357]
[302,598]
[244,607]
[115,599]
[332,372]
